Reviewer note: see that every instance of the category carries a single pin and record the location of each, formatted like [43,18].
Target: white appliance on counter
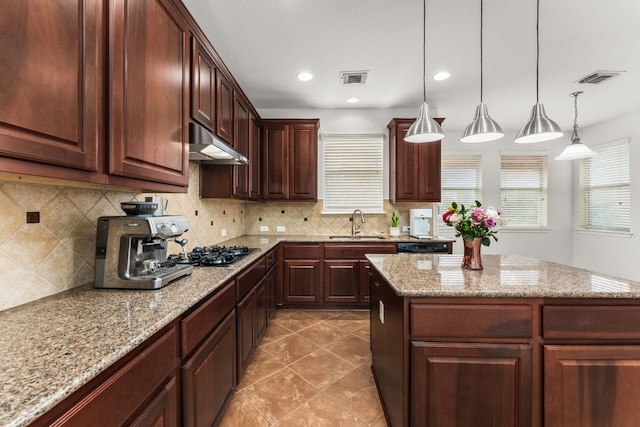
[420,223]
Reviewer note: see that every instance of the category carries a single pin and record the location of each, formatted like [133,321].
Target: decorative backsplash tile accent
[41,259]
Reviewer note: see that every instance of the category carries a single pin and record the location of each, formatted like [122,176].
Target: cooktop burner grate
[212,256]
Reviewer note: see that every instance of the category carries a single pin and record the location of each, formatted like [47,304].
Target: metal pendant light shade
[539,128]
[483,128]
[576,150]
[424,129]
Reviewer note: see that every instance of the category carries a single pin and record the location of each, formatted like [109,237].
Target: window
[461,181]
[352,173]
[605,197]
[523,191]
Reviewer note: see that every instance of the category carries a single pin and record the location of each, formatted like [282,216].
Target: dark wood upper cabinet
[254,158]
[203,84]
[224,108]
[289,159]
[414,168]
[241,144]
[51,82]
[149,71]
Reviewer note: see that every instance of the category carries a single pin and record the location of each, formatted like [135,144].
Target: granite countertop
[51,347]
[440,275]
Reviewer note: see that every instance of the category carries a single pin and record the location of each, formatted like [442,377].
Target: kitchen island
[524,342]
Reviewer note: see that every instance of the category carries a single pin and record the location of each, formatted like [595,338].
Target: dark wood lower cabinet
[246,334]
[301,281]
[470,384]
[142,392]
[341,280]
[209,376]
[592,385]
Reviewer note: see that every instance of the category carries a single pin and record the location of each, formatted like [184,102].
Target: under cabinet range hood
[207,148]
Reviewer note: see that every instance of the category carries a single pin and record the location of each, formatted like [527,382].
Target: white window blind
[523,191]
[352,173]
[461,182]
[605,196]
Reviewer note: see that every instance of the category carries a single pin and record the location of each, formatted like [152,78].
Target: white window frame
[613,164]
[514,185]
[352,173]
[458,162]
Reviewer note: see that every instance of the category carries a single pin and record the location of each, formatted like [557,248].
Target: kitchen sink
[349,237]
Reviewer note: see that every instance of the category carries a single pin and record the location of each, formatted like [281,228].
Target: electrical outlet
[280,228]
[224,232]
[264,228]
[264,241]
[406,228]
[381,311]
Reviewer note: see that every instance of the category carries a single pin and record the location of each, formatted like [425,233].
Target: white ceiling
[265,43]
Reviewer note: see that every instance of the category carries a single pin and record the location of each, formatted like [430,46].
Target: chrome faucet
[354,228]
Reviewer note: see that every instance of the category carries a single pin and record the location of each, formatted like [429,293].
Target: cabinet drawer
[471,321]
[295,251]
[200,322]
[248,279]
[356,251]
[270,258]
[591,322]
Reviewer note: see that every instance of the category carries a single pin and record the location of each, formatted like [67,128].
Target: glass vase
[472,259]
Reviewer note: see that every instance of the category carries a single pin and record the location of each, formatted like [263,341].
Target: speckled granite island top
[440,275]
[53,346]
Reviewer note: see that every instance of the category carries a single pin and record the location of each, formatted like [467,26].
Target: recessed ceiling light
[305,76]
[352,100]
[442,75]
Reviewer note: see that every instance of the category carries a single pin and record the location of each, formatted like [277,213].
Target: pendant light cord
[424,48]
[481,69]
[537,48]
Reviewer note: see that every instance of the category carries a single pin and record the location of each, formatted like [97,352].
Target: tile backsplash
[57,253]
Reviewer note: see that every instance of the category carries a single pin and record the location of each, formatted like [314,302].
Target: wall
[610,253]
[37,260]
[553,244]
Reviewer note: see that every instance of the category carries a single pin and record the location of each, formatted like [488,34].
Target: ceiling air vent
[599,77]
[353,77]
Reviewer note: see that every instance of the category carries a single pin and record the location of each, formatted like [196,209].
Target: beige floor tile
[279,394]
[289,349]
[262,365]
[348,323]
[274,332]
[241,412]
[320,412]
[296,323]
[363,333]
[380,422]
[322,334]
[357,393]
[321,368]
[322,314]
[352,349]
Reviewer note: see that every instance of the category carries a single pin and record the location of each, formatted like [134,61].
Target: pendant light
[539,127]
[576,150]
[424,129]
[483,128]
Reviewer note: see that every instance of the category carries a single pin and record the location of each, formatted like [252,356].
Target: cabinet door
[272,291]
[224,108]
[341,281]
[254,159]
[203,81]
[471,384]
[163,409]
[51,81]
[429,177]
[246,332]
[303,162]
[591,385]
[275,176]
[149,72]
[209,376]
[301,282]
[407,167]
[262,301]
[241,138]
[364,292]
